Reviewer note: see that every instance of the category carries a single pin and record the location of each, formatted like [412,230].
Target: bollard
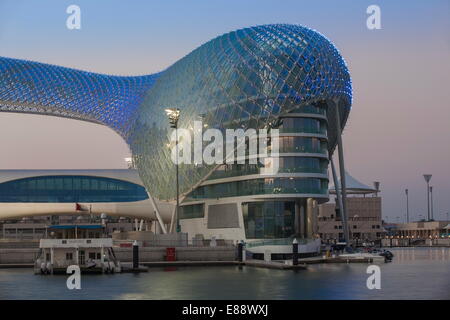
[240,251]
[135,255]
[295,252]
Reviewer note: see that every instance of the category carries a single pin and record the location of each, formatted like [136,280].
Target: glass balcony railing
[237,173]
[303,130]
[301,149]
[309,109]
[209,194]
[273,242]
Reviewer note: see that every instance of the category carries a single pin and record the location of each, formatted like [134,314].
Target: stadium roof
[354,186]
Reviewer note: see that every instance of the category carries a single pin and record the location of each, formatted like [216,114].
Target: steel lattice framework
[245,78]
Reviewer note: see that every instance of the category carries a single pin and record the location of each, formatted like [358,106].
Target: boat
[375,254]
[84,245]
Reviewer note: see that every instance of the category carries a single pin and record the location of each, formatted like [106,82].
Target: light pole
[427,178]
[174,114]
[407,206]
[431,202]
[376,184]
[447,224]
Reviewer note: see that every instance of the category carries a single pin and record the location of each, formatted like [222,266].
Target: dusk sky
[398,129]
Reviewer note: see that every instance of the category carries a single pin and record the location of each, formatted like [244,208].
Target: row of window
[269,219]
[70,189]
[285,165]
[356,227]
[306,125]
[192,211]
[261,186]
[301,145]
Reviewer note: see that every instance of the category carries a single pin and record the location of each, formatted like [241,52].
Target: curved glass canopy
[242,79]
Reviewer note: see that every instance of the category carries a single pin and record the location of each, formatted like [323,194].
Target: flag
[79,207]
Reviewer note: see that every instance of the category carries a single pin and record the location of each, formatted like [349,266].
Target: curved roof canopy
[243,79]
[354,186]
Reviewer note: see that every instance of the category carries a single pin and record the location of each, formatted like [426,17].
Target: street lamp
[174,114]
[376,184]
[427,178]
[407,206]
[431,202]
[447,224]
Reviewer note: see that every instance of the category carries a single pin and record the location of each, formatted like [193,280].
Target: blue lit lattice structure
[245,78]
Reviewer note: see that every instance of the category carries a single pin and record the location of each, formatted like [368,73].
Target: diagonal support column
[172,220]
[158,216]
[336,187]
[342,173]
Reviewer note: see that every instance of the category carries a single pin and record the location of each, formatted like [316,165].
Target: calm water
[421,273]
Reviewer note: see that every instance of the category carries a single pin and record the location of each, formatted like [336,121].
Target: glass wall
[269,219]
[303,125]
[302,145]
[71,189]
[285,164]
[192,211]
[261,186]
[314,109]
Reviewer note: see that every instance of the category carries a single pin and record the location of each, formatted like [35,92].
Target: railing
[301,149]
[176,243]
[70,243]
[236,173]
[274,242]
[307,109]
[303,130]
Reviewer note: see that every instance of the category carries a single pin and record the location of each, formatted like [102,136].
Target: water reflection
[419,273]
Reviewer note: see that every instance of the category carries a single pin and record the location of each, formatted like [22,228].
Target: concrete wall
[146,254]
[18,256]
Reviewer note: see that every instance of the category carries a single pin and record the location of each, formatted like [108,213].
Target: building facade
[284,77]
[365,220]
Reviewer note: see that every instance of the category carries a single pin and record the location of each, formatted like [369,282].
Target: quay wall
[18,255]
[146,254]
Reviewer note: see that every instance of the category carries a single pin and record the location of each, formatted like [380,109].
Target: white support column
[158,216]
[172,220]
[102,253]
[336,187]
[342,172]
[141,224]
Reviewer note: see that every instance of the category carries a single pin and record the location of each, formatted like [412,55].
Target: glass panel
[71,189]
[269,219]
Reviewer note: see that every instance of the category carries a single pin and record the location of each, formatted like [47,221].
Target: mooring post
[295,252]
[135,255]
[240,251]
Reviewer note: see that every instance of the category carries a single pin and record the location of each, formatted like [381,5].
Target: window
[192,211]
[71,189]
[92,255]
[261,186]
[269,219]
[69,256]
